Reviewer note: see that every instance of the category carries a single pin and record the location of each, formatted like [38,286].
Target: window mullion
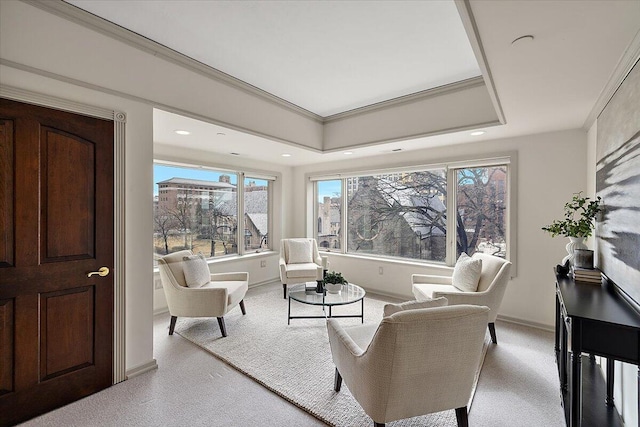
[451,217]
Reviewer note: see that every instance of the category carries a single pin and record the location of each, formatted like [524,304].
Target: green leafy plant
[579,214]
[334,277]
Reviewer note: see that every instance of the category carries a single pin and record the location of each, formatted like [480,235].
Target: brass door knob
[104,271]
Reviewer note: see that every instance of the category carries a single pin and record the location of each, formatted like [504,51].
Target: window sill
[235,258]
[413,263]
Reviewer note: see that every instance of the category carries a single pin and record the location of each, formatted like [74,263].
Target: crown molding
[406,99]
[95,23]
[469,23]
[629,58]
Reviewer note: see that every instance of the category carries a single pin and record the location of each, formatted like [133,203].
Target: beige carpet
[293,361]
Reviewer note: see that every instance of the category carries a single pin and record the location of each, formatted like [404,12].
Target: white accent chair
[299,261]
[491,287]
[415,362]
[215,299]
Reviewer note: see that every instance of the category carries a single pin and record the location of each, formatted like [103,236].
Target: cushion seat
[296,271]
[235,289]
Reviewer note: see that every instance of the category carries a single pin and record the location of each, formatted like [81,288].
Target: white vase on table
[574,243]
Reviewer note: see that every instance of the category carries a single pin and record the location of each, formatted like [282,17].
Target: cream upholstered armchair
[299,261]
[192,291]
[415,362]
[491,285]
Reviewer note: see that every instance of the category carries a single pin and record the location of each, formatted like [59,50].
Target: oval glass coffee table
[305,293]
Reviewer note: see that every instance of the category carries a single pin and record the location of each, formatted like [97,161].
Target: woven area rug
[293,361]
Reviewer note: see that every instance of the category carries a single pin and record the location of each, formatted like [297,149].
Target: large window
[256,214]
[329,209]
[481,208]
[405,214]
[198,209]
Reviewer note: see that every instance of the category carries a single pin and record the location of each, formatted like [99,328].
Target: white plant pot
[333,288]
[574,243]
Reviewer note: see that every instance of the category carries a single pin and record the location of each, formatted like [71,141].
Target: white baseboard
[264,282]
[161,310]
[141,369]
[543,326]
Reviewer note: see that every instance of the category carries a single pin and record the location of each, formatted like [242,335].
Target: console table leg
[576,389]
[610,377]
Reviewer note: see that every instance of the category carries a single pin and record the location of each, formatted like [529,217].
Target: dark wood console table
[597,320]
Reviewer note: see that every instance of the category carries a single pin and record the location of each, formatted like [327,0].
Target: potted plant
[333,282]
[578,223]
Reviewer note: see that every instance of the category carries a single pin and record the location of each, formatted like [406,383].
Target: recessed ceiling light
[478,133]
[182,132]
[397,149]
[523,39]
[347,153]
[286,155]
[236,154]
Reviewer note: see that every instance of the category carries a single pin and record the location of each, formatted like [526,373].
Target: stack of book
[587,275]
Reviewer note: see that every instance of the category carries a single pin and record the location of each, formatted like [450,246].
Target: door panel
[6,346]
[6,192]
[66,349]
[56,226]
[66,191]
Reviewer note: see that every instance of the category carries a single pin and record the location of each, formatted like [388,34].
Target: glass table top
[349,293]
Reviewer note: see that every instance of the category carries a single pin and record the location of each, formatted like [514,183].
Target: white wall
[550,168]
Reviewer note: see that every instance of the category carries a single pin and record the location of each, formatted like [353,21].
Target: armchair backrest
[284,248]
[172,266]
[494,270]
[421,361]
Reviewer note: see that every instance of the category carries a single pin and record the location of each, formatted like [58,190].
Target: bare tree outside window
[399,214]
[480,201]
[403,214]
[163,224]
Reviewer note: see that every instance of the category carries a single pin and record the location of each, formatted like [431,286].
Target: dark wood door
[56,226]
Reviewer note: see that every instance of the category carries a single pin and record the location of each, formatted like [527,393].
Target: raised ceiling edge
[119,284]
[93,22]
[470,26]
[624,66]
[413,97]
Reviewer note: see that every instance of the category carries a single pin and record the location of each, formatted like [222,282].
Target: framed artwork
[618,183]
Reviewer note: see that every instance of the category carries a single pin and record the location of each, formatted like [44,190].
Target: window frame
[509,160]
[240,179]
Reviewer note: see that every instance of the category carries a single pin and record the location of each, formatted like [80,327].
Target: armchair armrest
[340,340]
[198,302]
[225,277]
[428,278]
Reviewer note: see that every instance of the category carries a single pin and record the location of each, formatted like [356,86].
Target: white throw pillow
[466,273]
[196,271]
[390,309]
[300,251]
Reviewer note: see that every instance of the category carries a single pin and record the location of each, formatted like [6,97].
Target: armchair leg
[375,424]
[337,382]
[492,332]
[244,311]
[223,328]
[462,417]
[284,290]
[172,324]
